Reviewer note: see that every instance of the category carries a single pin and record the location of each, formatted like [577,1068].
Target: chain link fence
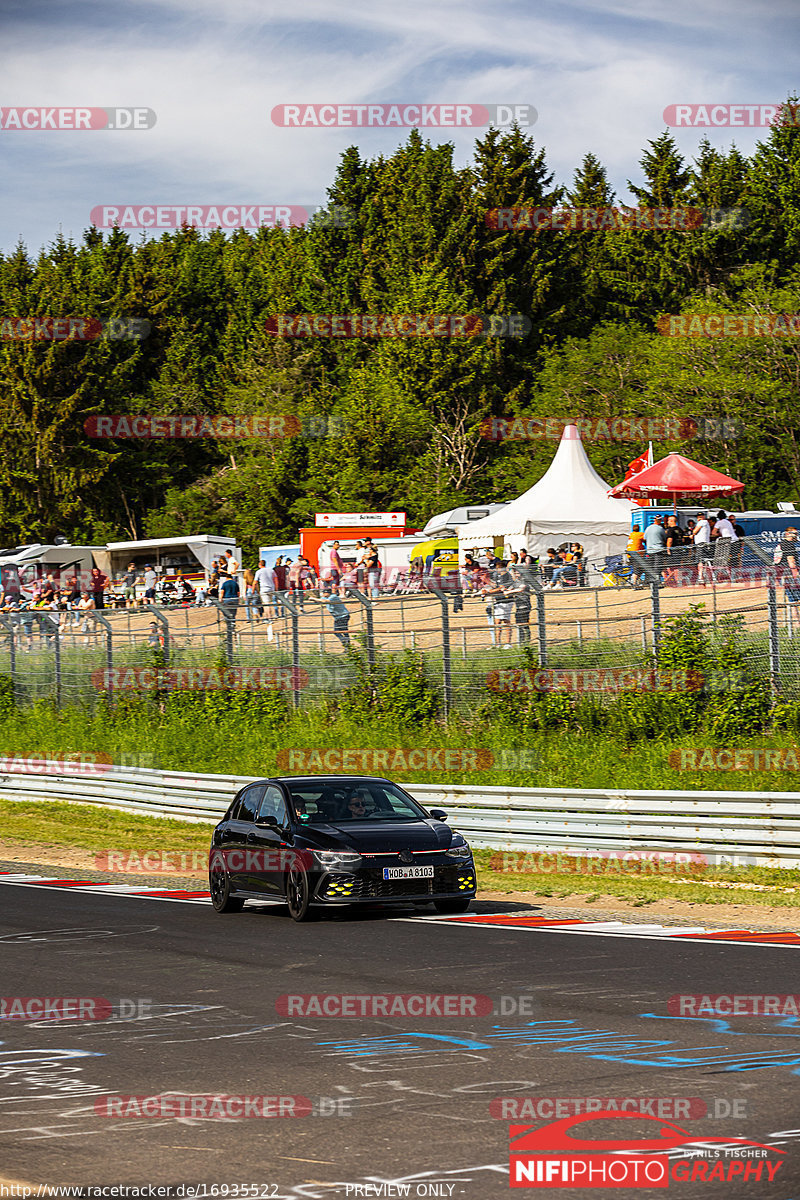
[475,638]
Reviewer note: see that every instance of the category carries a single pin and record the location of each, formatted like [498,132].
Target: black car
[331,840]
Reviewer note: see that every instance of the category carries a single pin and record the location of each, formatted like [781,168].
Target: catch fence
[473,643]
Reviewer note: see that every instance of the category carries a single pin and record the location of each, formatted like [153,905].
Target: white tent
[569,503]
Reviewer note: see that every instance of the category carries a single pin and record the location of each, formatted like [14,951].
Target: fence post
[12,651]
[534,583]
[447,678]
[56,658]
[774,647]
[230,626]
[367,603]
[770,573]
[290,607]
[164,623]
[656,602]
[101,620]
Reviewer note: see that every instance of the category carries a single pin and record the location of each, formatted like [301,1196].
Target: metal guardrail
[749,828]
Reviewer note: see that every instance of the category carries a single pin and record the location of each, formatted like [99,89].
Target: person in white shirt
[231,564]
[724,537]
[266,583]
[702,540]
[724,526]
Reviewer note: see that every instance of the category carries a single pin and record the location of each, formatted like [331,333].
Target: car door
[240,827]
[266,867]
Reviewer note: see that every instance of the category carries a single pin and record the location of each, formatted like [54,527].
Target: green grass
[91,828]
[242,744]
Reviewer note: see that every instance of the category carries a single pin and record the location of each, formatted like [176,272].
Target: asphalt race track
[396,1102]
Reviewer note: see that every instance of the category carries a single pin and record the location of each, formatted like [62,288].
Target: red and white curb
[691,933]
[108,889]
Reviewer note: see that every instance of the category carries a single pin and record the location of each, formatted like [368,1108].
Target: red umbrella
[675,476]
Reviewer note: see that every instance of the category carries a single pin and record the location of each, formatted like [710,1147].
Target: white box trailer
[24,566]
[191,555]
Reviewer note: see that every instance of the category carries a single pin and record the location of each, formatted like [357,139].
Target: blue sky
[599,73]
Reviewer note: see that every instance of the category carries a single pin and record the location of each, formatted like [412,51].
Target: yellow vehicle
[438,556]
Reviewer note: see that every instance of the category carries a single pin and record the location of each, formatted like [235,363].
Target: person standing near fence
[702,546]
[229,594]
[265,587]
[787,556]
[521,595]
[337,570]
[98,584]
[372,563]
[252,598]
[129,586]
[655,544]
[341,619]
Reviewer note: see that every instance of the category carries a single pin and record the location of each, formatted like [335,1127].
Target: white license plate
[408,872]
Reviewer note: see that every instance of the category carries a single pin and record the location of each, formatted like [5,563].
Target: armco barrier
[754,828]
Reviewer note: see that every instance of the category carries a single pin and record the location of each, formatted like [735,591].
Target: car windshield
[340,802]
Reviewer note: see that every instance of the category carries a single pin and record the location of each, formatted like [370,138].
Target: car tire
[219,884]
[459,905]
[298,896]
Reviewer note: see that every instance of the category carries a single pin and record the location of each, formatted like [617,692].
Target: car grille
[369,884]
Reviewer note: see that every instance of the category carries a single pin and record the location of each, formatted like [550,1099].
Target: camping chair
[615,572]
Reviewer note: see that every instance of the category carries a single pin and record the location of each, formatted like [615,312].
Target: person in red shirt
[98,585]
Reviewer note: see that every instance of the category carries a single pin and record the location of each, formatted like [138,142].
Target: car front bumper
[367,886]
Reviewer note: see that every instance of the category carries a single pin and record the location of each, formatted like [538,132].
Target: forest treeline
[393,423]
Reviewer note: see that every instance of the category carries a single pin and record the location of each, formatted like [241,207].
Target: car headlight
[458,849]
[341,860]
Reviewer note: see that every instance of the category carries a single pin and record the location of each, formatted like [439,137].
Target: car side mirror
[438,813]
[267,823]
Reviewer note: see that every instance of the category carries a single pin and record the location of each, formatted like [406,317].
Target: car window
[274,805]
[351,801]
[248,804]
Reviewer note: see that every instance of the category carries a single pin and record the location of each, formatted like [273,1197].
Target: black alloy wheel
[298,896]
[219,882]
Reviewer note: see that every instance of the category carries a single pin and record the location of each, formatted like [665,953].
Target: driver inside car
[360,805]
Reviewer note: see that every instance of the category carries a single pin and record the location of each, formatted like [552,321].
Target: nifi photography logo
[551,1156]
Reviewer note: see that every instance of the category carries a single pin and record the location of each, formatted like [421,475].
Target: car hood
[368,838]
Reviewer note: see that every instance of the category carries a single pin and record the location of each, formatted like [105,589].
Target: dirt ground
[416,620]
